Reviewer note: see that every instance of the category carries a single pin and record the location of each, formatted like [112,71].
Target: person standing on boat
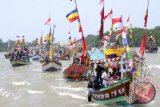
[99,70]
[82,59]
[75,59]
[92,67]
[105,77]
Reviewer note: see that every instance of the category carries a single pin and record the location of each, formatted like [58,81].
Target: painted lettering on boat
[109,95]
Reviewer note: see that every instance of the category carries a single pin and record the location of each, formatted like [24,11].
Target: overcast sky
[27,17]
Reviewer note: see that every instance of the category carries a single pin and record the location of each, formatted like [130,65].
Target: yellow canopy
[118,52]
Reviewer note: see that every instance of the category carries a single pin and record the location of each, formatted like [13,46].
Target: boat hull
[75,72]
[51,66]
[19,63]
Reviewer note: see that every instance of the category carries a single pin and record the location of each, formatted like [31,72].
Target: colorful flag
[108,15]
[107,38]
[128,19]
[128,24]
[131,32]
[50,52]
[73,15]
[117,23]
[146,18]
[48,21]
[119,33]
[101,27]
[80,27]
[18,36]
[84,45]
[143,44]
[101,1]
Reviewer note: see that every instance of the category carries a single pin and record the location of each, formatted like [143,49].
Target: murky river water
[29,86]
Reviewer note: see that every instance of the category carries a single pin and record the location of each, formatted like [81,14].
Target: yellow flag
[50,52]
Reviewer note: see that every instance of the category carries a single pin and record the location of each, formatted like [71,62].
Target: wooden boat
[151,46]
[19,62]
[51,66]
[75,71]
[137,86]
[141,91]
[151,50]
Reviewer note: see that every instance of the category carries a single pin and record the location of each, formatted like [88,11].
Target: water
[28,86]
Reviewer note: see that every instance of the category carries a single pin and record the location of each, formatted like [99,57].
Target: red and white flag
[108,15]
[119,33]
[101,1]
[146,18]
[48,21]
[107,38]
[117,23]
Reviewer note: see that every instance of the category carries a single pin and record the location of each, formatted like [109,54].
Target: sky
[27,17]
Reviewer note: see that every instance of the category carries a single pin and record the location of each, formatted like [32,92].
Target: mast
[84,46]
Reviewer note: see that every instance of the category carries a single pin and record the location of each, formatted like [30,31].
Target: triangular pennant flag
[48,21]
[108,15]
[143,44]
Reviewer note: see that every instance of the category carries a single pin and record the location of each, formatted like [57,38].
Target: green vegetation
[94,41]
[4,45]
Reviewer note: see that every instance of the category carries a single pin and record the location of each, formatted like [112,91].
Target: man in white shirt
[105,77]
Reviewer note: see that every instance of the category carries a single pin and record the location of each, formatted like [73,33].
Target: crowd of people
[20,54]
[105,75]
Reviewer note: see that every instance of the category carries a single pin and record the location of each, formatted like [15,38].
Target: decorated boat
[51,61]
[75,71]
[19,62]
[51,66]
[151,46]
[126,76]
[135,85]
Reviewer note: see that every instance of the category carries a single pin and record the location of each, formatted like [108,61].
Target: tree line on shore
[95,41]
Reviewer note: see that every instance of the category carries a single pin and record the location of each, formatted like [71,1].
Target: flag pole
[83,40]
[146,24]
[79,16]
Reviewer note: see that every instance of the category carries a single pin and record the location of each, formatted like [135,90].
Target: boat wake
[71,95]
[67,88]
[5,94]
[154,66]
[22,83]
[90,104]
[35,92]
[70,88]
[37,70]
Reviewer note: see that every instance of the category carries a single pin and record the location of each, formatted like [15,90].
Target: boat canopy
[118,52]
